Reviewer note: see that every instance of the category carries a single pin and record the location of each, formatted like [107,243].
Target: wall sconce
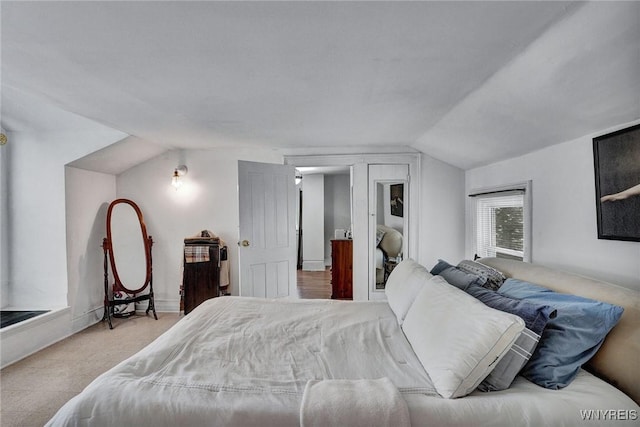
[178,173]
[298,177]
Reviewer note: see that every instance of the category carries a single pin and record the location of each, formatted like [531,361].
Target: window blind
[500,224]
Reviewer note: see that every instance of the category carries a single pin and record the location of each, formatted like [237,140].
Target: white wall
[441,218]
[313,222]
[564,233]
[207,200]
[37,243]
[88,195]
[337,209]
[36,212]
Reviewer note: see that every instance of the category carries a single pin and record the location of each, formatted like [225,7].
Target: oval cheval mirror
[127,249]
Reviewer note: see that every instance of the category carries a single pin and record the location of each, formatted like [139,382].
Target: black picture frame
[397,199]
[616,159]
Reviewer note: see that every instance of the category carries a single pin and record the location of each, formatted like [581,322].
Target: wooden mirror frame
[118,285]
[107,245]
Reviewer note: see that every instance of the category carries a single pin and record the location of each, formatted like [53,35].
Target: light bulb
[175,180]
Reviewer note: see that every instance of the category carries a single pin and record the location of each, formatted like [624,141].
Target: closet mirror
[127,248]
[388,222]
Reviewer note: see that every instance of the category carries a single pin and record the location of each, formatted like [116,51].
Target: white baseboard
[87,319]
[32,335]
[313,265]
[166,305]
[162,305]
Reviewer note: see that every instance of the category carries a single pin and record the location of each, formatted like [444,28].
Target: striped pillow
[492,278]
[512,363]
[535,318]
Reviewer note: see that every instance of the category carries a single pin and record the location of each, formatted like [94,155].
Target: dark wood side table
[201,275]
[342,269]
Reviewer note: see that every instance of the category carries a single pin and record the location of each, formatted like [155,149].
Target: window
[501,220]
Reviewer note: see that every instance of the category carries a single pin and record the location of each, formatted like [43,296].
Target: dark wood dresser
[201,275]
[341,269]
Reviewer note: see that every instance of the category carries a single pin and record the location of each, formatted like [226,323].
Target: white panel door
[267,243]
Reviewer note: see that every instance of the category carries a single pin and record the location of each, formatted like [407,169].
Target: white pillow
[457,338]
[403,285]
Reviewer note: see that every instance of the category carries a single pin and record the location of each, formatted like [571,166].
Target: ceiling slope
[580,77]
[466,82]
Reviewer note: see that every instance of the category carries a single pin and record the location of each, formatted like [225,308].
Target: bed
[237,361]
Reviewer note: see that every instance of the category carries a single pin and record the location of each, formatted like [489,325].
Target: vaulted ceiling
[465,82]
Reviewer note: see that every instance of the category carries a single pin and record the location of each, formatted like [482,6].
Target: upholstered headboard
[618,360]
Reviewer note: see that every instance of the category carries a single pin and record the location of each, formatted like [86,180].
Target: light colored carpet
[33,389]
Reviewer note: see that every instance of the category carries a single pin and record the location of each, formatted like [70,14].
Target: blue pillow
[441,265]
[570,339]
[535,317]
[455,276]
[459,278]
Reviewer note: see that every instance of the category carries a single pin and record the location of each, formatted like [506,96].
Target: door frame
[362,264]
[387,174]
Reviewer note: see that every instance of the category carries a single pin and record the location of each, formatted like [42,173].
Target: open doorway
[363,204]
[324,215]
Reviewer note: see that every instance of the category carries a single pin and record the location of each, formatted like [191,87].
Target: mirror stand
[133,264]
[109,303]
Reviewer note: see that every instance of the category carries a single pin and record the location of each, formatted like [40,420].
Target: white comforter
[245,362]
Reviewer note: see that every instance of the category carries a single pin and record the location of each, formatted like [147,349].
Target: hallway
[314,284]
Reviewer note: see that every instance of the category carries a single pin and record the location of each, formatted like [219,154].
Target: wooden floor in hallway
[314,284]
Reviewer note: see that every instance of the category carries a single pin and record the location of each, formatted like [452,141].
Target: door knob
[245,243]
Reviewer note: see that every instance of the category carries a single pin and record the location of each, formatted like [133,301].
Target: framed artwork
[397,203]
[617,171]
